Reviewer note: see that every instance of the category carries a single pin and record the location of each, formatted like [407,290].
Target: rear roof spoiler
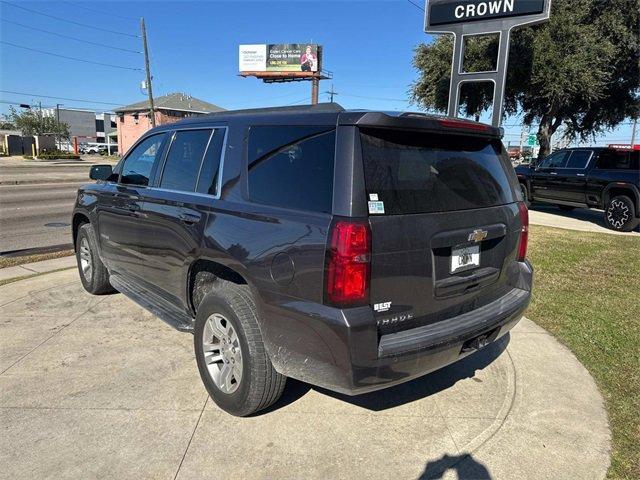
[418,121]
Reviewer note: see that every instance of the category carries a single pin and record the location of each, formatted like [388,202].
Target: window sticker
[376,208]
[373,197]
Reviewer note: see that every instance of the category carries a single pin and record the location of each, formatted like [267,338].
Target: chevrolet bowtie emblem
[478,235]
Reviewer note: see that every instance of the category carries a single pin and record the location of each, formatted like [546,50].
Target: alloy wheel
[617,213]
[86,263]
[222,353]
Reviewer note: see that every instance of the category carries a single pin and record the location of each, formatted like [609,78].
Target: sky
[368,45]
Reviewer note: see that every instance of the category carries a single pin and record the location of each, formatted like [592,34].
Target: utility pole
[41,119]
[331,93]
[152,115]
[633,132]
[58,125]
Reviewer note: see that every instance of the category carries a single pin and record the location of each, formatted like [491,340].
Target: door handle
[553,173]
[190,217]
[580,174]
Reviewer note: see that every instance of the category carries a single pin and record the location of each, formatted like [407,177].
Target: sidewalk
[44,266]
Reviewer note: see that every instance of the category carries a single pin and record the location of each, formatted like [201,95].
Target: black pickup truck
[602,178]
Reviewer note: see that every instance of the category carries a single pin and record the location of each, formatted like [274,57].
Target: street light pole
[152,114]
[633,132]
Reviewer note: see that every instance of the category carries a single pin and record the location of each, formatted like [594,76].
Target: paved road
[96,387]
[26,210]
[580,219]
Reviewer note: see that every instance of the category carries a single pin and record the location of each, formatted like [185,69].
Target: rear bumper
[340,349]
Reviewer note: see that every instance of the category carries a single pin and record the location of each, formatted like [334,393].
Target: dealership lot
[95,386]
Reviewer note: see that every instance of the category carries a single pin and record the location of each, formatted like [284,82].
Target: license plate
[465,258]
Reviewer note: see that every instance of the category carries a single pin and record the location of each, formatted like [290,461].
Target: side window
[139,163]
[184,159]
[208,181]
[298,175]
[557,160]
[618,160]
[579,159]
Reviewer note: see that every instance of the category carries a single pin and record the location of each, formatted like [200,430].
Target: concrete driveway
[95,387]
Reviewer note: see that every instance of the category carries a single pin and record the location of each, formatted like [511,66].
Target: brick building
[133,120]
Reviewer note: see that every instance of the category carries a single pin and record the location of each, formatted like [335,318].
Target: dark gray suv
[353,250]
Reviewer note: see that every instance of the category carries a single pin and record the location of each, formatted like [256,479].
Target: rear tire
[93,274]
[230,353]
[620,214]
[566,208]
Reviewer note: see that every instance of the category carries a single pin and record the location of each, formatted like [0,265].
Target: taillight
[348,264]
[524,232]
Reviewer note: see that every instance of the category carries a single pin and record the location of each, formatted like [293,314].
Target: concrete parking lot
[95,387]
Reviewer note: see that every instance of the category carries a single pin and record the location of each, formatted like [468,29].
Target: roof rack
[319,108]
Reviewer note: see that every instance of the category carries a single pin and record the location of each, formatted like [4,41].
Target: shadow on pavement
[465,466]
[406,392]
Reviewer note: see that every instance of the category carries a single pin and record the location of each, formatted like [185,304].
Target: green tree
[33,122]
[581,69]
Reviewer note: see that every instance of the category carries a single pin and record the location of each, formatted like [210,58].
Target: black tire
[260,385]
[96,279]
[525,194]
[620,214]
[566,208]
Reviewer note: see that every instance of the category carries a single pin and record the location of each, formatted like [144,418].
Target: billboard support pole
[315,87]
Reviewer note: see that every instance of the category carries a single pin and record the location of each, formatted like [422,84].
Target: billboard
[279,57]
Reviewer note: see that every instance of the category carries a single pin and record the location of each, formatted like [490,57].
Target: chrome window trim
[571,152]
[223,154]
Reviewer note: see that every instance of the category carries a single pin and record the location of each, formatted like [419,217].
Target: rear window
[415,172]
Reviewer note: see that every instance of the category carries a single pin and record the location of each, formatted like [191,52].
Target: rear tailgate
[444,221]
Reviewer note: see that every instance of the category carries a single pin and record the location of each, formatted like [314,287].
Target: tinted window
[579,159]
[264,140]
[184,159]
[618,160]
[298,176]
[139,163]
[420,172]
[557,160]
[208,182]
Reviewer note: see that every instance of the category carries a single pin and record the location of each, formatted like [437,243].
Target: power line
[70,37]
[61,98]
[101,12]
[415,5]
[71,58]
[10,102]
[70,21]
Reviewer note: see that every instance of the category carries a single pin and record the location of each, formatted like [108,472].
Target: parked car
[350,250]
[597,177]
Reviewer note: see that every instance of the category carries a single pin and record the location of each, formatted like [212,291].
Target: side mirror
[100,172]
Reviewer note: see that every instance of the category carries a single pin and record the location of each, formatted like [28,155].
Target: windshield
[418,172]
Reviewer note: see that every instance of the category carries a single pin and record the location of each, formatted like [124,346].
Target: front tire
[620,214]
[231,357]
[93,274]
